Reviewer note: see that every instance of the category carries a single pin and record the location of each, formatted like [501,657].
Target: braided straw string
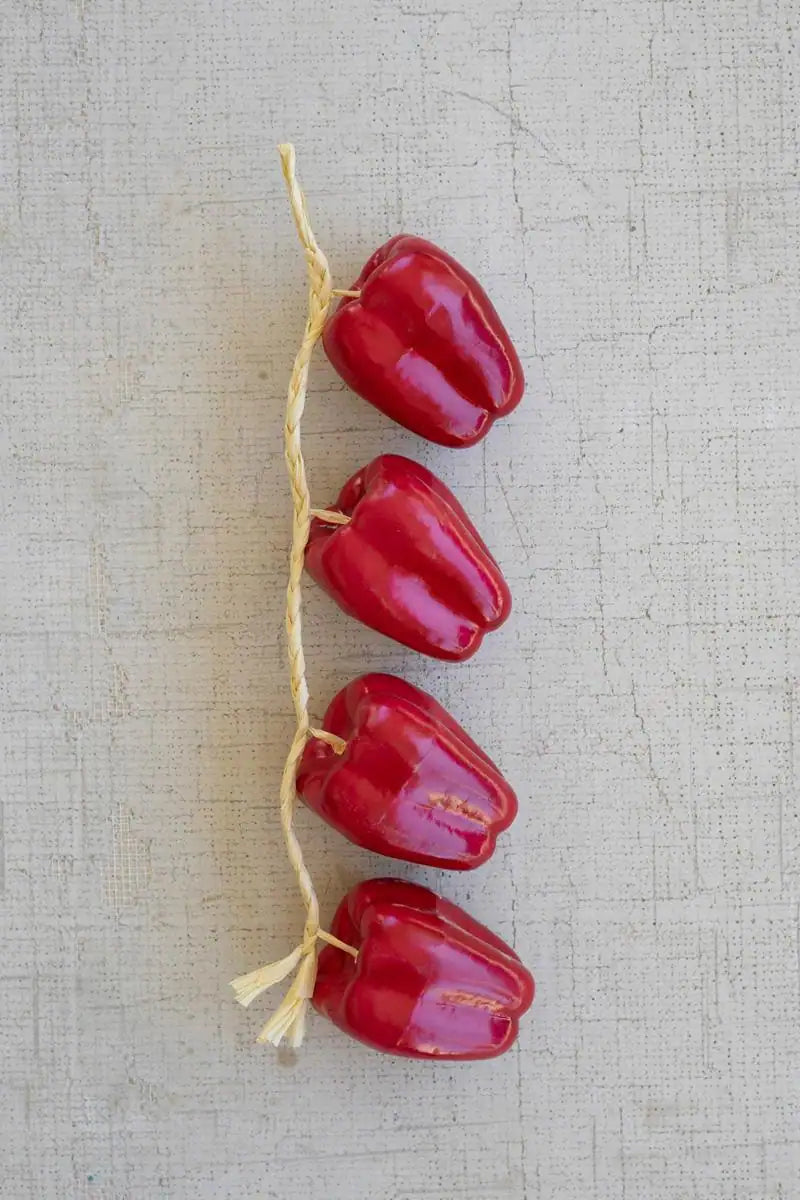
[290,1017]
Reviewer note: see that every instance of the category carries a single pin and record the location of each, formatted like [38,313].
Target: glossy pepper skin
[409,563]
[423,343]
[429,982]
[411,784]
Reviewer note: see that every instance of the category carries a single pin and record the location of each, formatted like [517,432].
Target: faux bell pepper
[409,562]
[409,783]
[428,982]
[422,342]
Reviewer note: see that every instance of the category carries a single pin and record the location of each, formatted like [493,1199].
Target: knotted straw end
[249,987]
[289,1018]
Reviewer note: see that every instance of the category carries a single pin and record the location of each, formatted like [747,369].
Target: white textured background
[623,177]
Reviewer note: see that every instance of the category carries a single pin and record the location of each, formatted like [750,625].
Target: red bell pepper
[422,342]
[410,783]
[428,982]
[409,563]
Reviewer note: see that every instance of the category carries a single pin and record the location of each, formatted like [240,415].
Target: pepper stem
[290,1016]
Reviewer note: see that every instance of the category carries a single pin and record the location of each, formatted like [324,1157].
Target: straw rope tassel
[289,1019]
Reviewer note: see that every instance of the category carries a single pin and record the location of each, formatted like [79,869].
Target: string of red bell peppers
[403,970]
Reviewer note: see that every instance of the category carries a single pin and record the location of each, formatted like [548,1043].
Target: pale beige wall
[622,175]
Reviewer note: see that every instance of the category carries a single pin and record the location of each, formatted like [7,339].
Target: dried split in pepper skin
[429,981]
[423,343]
[409,563]
[410,784]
